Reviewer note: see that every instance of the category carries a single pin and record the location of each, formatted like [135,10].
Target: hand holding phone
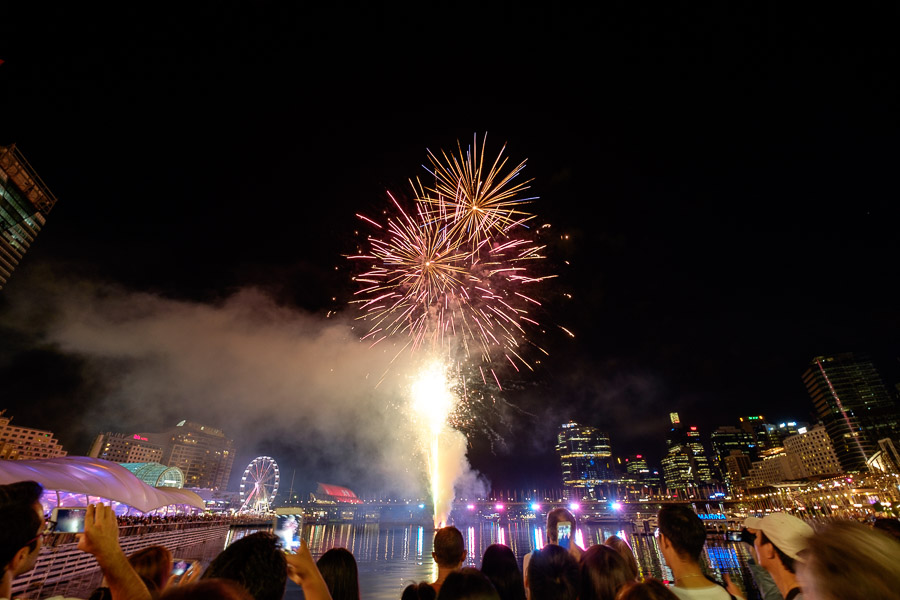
[288,528]
[179,567]
[68,520]
[183,571]
[564,534]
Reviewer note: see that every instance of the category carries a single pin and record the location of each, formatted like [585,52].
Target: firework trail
[450,276]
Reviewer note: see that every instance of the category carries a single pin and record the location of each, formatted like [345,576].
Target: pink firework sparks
[451,269]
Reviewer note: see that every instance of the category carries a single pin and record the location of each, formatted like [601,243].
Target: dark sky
[727,180]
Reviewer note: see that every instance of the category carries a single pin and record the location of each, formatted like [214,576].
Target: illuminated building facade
[125,448]
[157,475]
[727,439]
[203,453]
[733,448]
[815,452]
[854,404]
[736,467]
[636,466]
[777,466]
[24,443]
[886,458]
[25,202]
[765,434]
[685,462]
[585,455]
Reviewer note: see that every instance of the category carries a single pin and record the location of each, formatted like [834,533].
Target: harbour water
[391,557]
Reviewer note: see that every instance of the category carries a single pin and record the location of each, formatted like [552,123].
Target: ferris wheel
[259,484]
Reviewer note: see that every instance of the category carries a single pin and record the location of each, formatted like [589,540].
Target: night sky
[727,181]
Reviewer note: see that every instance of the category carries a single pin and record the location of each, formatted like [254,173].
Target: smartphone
[733,536]
[180,566]
[68,520]
[564,534]
[288,528]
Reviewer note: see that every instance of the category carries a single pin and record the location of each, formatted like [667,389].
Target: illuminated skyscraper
[854,404]
[733,448]
[765,433]
[685,463]
[203,453]
[25,202]
[585,454]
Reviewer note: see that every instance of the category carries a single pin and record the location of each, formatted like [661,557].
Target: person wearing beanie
[780,541]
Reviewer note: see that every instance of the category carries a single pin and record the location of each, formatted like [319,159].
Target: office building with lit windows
[203,453]
[685,462]
[125,448]
[25,202]
[585,456]
[814,451]
[854,404]
[25,443]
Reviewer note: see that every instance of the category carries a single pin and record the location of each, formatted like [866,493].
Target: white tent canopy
[96,477]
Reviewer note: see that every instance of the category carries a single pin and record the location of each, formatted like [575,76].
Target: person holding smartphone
[23,529]
[555,518]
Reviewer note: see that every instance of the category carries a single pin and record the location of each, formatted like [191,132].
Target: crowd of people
[789,561]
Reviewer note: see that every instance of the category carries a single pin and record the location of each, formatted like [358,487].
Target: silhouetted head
[468,584]
[256,562]
[845,560]
[207,589]
[622,547]
[21,524]
[449,548]
[684,530]
[889,526]
[649,589]
[419,591]
[153,563]
[554,517]
[603,572]
[338,569]
[553,574]
[499,564]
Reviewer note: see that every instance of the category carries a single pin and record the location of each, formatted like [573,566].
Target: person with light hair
[849,561]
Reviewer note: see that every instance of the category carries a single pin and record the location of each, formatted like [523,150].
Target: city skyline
[724,216]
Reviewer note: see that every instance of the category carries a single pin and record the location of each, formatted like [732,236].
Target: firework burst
[473,202]
[453,271]
[450,276]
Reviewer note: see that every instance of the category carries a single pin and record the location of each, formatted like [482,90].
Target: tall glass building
[585,455]
[25,203]
[854,404]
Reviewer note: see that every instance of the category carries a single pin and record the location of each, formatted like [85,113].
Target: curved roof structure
[157,475]
[337,493]
[96,477]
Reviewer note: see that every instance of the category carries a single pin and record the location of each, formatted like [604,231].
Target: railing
[62,568]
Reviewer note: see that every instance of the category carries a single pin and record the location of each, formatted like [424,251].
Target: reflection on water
[390,557]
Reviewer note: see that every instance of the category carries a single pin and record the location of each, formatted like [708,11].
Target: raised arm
[101,538]
[303,571]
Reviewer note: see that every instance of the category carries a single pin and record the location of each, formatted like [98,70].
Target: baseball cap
[787,532]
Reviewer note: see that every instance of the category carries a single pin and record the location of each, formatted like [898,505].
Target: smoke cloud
[275,379]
